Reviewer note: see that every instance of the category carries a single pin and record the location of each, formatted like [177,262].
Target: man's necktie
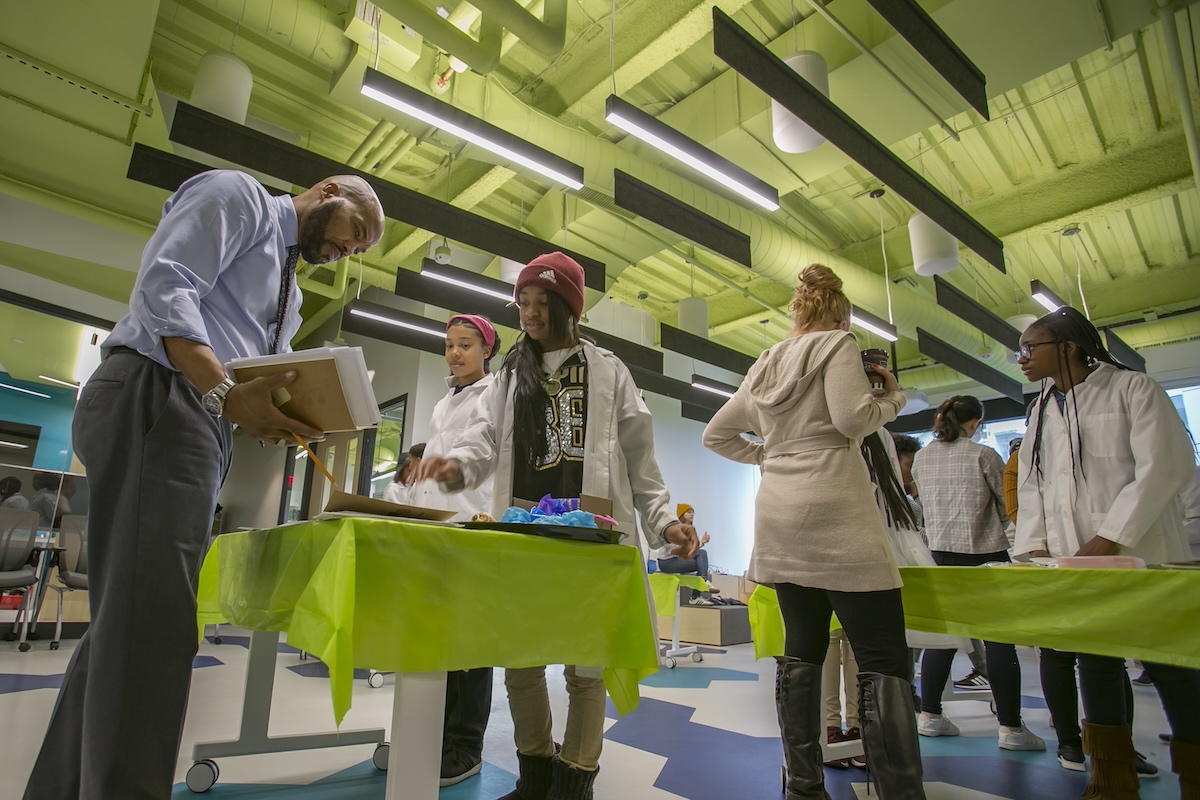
[285,290]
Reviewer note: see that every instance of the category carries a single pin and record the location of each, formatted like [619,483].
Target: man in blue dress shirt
[154,428]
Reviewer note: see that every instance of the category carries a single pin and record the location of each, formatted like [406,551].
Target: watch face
[212,404]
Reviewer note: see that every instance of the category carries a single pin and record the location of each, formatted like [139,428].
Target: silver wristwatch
[214,399]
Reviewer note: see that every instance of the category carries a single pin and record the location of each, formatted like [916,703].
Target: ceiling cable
[1062,268]
[378,15]
[612,36]
[887,276]
[1074,234]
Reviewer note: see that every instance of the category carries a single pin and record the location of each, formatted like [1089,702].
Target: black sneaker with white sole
[976,680]
[1071,757]
[1145,770]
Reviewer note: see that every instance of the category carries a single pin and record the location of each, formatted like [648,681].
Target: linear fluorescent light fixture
[60,383]
[1123,352]
[976,314]
[418,105]
[1045,298]
[663,137]
[432,272]
[713,387]
[24,391]
[14,445]
[872,323]
[358,312]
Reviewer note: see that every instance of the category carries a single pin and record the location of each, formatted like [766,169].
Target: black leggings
[1059,687]
[1104,701]
[873,621]
[1003,669]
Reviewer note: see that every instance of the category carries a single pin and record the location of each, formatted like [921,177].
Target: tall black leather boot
[889,731]
[534,780]
[568,783]
[799,703]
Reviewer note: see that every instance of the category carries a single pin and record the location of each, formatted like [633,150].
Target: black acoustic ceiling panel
[632,354]
[673,214]
[1123,352]
[764,69]
[42,307]
[423,289]
[252,149]
[928,39]
[702,349]
[963,307]
[962,363]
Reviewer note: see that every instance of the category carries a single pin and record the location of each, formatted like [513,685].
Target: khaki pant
[840,657]
[529,703]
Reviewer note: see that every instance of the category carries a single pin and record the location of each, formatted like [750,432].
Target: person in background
[400,489]
[10,494]
[1010,480]
[962,484]
[154,428]
[668,562]
[819,537]
[471,342]
[45,497]
[1102,476]
[841,669]
[562,418]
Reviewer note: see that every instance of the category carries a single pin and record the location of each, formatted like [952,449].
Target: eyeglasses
[1025,351]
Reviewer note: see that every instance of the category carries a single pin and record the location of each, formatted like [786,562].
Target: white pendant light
[693,316]
[223,85]
[1020,322]
[510,270]
[916,403]
[934,250]
[792,134]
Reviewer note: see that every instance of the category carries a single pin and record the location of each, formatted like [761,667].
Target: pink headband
[482,325]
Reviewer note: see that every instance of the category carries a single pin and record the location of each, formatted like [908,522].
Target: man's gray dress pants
[155,462]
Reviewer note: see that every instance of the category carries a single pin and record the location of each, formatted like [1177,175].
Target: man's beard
[313,233]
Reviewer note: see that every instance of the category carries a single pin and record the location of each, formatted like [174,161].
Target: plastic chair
[18,534]
[72,566]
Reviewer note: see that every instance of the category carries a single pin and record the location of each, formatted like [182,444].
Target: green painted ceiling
[1082,132]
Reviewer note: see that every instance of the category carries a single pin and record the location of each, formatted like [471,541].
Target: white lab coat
[1136,459]
[449,419]
[618,460]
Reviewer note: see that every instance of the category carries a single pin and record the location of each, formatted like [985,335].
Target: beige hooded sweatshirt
[816,520]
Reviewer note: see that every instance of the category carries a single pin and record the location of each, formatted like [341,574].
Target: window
[389,441]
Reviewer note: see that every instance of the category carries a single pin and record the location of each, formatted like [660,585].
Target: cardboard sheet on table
[353,503]
[597,535]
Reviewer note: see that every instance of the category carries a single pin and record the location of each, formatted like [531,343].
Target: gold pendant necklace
[552,385]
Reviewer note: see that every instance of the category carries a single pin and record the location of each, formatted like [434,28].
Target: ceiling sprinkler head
[1071,230]
[878,193]
[642,295]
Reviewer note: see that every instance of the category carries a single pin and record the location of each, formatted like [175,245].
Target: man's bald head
[339,216]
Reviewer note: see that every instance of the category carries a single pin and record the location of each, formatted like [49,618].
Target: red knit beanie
[555,272]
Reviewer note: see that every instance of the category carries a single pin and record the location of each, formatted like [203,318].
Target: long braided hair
[896,507]
[1068,326]
[531,404]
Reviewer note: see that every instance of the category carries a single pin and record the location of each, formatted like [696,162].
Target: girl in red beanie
[563,417]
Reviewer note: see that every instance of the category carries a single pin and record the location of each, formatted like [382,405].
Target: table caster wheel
[216,640]
[380,757]
[54,645]
[10,637]
[202,775]
[24,647]
[32,636]
[697,657]
[375,681]
[670,663]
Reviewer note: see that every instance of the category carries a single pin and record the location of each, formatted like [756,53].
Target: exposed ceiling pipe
[1166,16]
[482,55]
[360,153]
[400,152]
[547,36]
[377,157]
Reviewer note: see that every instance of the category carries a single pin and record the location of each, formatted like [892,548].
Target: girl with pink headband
[471,341]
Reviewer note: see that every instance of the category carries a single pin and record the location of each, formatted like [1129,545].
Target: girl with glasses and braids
[1104,461]
[962,486]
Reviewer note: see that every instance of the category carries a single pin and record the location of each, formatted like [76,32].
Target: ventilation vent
[600,200]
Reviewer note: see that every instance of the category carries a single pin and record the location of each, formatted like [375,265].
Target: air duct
[934,250]
[792,134]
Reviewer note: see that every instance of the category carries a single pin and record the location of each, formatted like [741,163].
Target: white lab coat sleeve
[1031,507]
[635,434]
[723,434]
[476,448]
[1163,464]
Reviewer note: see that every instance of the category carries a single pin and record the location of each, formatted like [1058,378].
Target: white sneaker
[935,725]
[1020,739]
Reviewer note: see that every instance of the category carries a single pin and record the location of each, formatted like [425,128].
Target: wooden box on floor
[712,625]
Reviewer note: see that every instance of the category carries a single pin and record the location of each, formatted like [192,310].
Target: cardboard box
[712,625]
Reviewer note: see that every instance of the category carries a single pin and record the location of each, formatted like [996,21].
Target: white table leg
[415,757]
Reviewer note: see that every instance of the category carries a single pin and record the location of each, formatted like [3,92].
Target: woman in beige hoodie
[819,536]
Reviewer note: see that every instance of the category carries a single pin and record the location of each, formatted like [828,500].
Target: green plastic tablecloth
[664,586]
[410,597]
[1148,614]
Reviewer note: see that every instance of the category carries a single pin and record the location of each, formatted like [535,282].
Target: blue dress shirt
[212,271]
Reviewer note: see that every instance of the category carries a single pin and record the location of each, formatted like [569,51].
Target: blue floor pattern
[11,682]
